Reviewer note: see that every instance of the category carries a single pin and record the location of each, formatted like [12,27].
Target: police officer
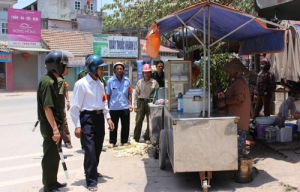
[63,96]
[88,111]
[143,90]
[119,95]
[50,115]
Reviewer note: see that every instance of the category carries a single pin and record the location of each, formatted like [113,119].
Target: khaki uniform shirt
[143,89]
[239,92]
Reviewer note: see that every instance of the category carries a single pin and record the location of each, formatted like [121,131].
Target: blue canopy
[254,36]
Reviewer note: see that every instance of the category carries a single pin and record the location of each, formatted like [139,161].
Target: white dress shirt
[88,95]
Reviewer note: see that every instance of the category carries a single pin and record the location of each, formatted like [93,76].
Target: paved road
[21,153]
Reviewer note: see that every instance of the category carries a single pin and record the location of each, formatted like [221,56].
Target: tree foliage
[218,78]
[141,13]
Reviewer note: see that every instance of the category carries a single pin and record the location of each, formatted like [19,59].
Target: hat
[119,63]
[235,65]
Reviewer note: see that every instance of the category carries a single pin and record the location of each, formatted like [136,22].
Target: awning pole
[231,32]
[204,63]
[208,71]
[182,29]
[190,30]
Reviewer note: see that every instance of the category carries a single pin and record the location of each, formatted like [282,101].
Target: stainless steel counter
[197,144]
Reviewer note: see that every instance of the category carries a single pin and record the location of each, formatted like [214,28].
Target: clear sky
[23,3]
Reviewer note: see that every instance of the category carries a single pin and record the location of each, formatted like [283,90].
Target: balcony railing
[86,12]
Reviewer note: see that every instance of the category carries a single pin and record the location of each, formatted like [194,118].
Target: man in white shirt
[88,110]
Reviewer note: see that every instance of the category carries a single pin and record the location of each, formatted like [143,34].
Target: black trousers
[124,115]
[93,132]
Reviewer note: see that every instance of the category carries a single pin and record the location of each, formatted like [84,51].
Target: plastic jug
[180,103]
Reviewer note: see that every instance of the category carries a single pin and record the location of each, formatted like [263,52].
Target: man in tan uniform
[236,100]
[144,88]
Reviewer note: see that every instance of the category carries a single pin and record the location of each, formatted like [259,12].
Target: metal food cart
[206,142]
[190,141]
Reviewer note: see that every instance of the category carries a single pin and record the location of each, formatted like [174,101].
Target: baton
[62,159]
[35,125]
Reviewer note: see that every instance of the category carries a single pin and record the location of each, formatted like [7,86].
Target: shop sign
[24,28]
[5,56]
[115,46]
[139,64]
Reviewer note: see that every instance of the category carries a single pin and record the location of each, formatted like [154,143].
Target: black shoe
[53,190]
[61,185]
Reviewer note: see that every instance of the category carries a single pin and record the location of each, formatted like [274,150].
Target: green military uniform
[47,96]
[62,95]
[82,74]
[160,79]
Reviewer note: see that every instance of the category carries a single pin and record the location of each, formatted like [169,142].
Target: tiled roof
[4,48]
[161,48]
[73,42]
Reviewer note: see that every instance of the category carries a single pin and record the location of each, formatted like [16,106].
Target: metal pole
[190,30]
[183,48]
[208,70]
[204,63]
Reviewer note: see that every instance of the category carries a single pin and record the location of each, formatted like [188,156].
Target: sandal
[93,188]
[99,175]
[297,152]
[69,146]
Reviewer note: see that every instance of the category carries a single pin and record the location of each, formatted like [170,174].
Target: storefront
[5,57]
[116,49]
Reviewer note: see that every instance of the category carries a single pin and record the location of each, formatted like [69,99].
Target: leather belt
[93,112]
[143,99]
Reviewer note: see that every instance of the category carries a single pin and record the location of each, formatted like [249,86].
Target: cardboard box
[279,96]
[275,105]
[284,134]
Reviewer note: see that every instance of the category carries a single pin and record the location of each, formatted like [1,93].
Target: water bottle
[180,103]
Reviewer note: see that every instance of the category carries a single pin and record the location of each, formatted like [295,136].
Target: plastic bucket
[270,134]
[261,130]
[261,123]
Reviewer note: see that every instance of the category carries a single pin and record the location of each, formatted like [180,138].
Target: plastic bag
[152,45]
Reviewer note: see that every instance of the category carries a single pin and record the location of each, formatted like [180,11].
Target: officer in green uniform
[50,115]
[81,74]
[63,95]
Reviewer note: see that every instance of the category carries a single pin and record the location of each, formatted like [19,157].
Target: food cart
[206,141]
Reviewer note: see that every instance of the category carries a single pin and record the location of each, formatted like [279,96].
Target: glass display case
[178,79]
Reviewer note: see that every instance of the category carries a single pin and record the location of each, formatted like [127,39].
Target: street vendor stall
[206,140]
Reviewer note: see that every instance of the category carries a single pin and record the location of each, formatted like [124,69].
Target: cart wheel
[155,152]
[205,186]
[162,149]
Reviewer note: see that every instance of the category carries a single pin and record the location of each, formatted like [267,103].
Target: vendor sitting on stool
[236,100]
